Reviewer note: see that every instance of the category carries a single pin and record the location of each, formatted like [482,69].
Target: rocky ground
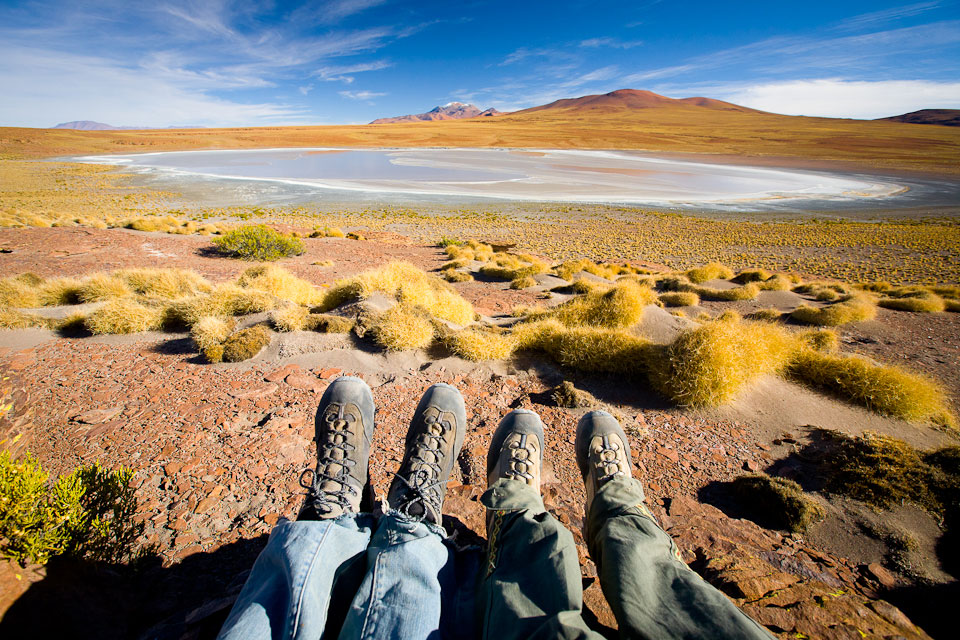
[218,451]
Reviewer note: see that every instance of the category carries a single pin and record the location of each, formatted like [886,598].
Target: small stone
[96,416]
[751,465]
[881,575]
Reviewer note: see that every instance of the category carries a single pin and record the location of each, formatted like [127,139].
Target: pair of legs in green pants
[531,585]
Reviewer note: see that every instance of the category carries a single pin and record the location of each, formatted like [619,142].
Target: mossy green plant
[777,503]
[246,343]
[258,242]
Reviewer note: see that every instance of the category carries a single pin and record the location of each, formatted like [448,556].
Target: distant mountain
[631,99]
[89,125]
[945,117]
[450,111]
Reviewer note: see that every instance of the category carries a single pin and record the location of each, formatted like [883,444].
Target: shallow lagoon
[469,175]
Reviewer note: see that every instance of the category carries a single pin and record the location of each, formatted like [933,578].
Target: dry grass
[279,283]
[452,275]
[60,291]
[223,300]
[328,232]
[243,344]
[766,315]
[853,308]
[952,305]
[402,327]
[478,345]
[123,315]
[519,269]
[13,319]
[326,323]
[710,365]
[825,340]
[616,307]
[752,275]
[568,396]
[776,503]
[584,348]
[679,299]
[168,284]
[915,299]
[102,286]
[290,318]
[887,390]
[19,292]
[748,291]
[469,251]
[778,282]
[712,271]
[211,331]
[406,283]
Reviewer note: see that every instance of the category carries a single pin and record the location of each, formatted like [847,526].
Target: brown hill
[945,117]
[629,99]
[451,111]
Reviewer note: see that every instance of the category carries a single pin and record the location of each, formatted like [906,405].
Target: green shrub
[258,242]
[86,514]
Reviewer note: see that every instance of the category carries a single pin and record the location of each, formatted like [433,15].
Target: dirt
[217,451]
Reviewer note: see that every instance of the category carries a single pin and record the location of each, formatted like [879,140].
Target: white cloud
[867,20]
[52,87]
[838,98]
[361,95]
[613,43]
[343,73]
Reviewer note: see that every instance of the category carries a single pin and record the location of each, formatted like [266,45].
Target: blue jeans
[351,577]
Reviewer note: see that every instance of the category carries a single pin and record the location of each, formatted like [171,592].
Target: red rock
[253,392]
[96,416]
[305,382]
[279,374]
[751,465]
[669,454]
[326,374]
[271,518]
[206,504]
[881,575]
[172,468]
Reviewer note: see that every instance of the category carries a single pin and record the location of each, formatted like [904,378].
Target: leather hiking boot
[516,449]
[344,429]
[433,442]
[603,451]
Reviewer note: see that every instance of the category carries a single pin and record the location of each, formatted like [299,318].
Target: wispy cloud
[612,43]
[345,73]
[361,95]
[876,18]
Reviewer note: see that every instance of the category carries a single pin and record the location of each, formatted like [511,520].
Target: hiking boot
[433,442]
[344,429]
[603,451]
[516,449]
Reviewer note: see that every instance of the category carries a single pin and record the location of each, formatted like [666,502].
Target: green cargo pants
[531,587]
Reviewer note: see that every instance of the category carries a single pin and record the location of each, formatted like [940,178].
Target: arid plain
[820,351]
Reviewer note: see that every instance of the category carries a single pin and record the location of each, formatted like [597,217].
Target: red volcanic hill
[450,111]
[628,99]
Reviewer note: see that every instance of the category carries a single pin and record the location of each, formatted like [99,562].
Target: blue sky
[226,63]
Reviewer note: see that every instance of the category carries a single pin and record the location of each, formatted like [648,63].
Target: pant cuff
[512,495]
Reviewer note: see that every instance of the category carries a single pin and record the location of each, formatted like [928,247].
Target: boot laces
[424,484]
[607,459]
[519,465]
[333,464]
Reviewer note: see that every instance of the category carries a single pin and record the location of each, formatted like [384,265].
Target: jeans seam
[374,597]
[299,606]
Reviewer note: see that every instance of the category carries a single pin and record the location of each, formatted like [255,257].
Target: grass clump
[328,232]
[584,348]
[19,291]
[748,291]
[518,269]
[123,315]
[279,283]
[406,283]
[211,331]
[290,318]
[848,309]
[709,365]
[258,242]
[776,503]
[712,271]
[242,345]
[326,323]
[103,286]
[402,327]
[766,315]
[88,514]
[478,344]
[887,390]
[752,275]
[471,250]
[452,275]
[679,299]
[60,291]
[13,319]
[913,299]
[168,284]
[619,306]
[568,396]
[825,340]
[223,300]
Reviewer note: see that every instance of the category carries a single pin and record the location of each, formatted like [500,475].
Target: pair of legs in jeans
[339,572]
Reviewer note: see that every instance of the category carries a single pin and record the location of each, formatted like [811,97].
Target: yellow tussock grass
[825,340]
[617,307]
[451,275]
[223,300]
[13,319]
[766,315]
[210,331]
[123,315]
[752,275]
[19,292]
[290,318]
[946,291]
[279,283]
[679,299]
[523,282]
[418,288]
[328,232]
[477,345]
[593,348]
[952,305]
[712,271]
[102,286]
[916,300]
[887,390]
[778,282]
[402,327]
[850,309]
[164,283]
[243,344]
[748,291]
[326,323]
[710,365]
[60,291]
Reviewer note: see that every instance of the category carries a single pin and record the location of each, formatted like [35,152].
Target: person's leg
[652,592]
[400,596]
[531,586]
[305,563]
